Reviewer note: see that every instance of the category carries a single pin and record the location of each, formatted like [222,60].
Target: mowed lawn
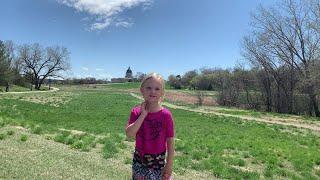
[89,121]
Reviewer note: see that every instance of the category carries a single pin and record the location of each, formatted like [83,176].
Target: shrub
[78,145]
[2,136]
[62,136]
[128,160]
[109,149]
[36,129]
[69,140]
[2,123]
[10,132]
[23,137]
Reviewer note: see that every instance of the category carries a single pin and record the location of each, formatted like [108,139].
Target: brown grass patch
[55,99]
[189,99]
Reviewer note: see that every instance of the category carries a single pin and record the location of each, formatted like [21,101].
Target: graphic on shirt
[151,130]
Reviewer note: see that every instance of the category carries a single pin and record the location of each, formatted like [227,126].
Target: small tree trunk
[248,98]
[314,104]
[7,87]
[312,94]
[278,106]
[36,84]
[269,96]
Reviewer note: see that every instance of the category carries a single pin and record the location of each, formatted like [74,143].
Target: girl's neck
[154,107]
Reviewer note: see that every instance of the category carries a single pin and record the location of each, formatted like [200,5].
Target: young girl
[152,126]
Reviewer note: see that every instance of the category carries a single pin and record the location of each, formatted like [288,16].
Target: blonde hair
[155,76]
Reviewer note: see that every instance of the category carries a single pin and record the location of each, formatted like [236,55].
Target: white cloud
[124,24]
[85,68]
[99,69]
[100,25]
[105,12]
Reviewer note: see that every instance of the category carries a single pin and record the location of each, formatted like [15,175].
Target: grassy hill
[74,132]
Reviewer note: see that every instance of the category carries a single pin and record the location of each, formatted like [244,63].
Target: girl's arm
[167,171]
[133,128]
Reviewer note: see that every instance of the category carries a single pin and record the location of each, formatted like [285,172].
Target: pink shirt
[154,131]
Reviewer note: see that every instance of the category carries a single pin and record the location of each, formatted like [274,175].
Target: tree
[5,69]
[287,36]
[245,81]
[140,76]
[187,77]
[265,81]
[15,63]
[255,51]
[175,81]
[39,63]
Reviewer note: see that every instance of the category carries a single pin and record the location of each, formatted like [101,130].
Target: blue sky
[105,37]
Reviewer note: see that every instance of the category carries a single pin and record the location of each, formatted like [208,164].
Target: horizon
[105,38]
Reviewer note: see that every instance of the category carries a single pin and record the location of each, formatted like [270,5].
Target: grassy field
[78,132]
[14,88]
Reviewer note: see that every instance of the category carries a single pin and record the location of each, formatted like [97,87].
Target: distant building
[128,73]
[127,78]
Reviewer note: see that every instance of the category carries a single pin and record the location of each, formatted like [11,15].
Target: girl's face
[152,90]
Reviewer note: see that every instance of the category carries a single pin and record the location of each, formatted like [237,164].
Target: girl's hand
[144,109]
[166,173]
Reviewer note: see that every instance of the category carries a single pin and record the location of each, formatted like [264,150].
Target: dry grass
[39,158]
[54,99]
[188,99]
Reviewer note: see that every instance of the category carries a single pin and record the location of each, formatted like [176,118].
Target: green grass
[109,149]
[97,113]
[196,92]
[83,141]
[132,85]
[128,85]
[15,88]
[243,112]
[213,136]
[2,122]
[2,136]
[10,132]
[222,146]
[36,129]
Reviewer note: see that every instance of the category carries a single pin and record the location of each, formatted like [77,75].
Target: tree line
[31,64]
[282,49]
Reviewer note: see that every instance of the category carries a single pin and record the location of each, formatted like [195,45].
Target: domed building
[127,78]
[129,73]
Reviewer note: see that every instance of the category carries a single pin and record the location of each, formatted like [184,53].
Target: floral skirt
[148,167]
[141,172]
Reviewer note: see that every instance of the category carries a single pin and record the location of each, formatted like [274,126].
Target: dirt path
[315,126]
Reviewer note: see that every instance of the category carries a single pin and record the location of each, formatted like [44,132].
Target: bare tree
[253,50]
[140,76]
[265,80]
[5,70]
[288,35]
[39,63]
